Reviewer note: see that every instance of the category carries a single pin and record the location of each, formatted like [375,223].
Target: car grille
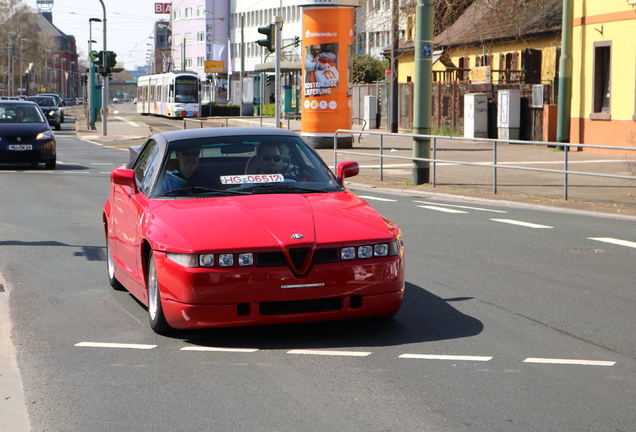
[321,256]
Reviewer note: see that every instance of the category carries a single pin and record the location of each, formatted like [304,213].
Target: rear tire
[158,321]
[50,164]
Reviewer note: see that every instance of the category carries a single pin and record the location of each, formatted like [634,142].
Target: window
[200,10]
[188,38]
[177,14]
[601,81]
[188,12]
[189,63]
[200,62]
[200,37]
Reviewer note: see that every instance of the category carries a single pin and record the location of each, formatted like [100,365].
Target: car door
[129,209]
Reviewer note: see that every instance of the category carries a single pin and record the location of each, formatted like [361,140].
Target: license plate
[20,147]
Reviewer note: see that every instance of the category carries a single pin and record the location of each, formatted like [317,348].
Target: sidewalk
[615,197]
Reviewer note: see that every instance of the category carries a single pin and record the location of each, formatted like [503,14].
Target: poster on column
[327,44]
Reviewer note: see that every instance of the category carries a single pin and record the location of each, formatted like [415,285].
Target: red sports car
[243,226]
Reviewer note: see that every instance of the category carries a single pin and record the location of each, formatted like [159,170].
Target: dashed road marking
[569,362]
[614,241]
[520,223]
[446,357]
[443,209]
[215,349]
[368,197]
[460,206]
[330,353]
[115,345]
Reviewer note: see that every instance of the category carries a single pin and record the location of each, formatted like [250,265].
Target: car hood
[23,129]
[264,221]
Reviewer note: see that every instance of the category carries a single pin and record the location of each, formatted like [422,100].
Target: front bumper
[199,298]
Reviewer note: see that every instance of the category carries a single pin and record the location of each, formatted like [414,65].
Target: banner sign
[327,63]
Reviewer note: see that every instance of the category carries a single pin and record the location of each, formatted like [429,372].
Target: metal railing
[433,160]
[261,121]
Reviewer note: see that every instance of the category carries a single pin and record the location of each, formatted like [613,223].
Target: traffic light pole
[278,20]
[104,83]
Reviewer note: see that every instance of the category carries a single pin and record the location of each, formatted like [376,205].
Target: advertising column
[327,57]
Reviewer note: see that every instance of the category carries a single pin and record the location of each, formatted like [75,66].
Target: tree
[367,69]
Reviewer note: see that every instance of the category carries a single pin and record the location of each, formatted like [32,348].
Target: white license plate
[20,147]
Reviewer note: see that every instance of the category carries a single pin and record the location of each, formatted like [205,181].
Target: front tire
[158,321]
[112,280]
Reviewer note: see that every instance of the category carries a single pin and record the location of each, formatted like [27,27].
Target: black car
[25,134]
[50,108]
[59,100]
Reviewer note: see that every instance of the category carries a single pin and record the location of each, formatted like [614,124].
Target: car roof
[17,102]
[225,132]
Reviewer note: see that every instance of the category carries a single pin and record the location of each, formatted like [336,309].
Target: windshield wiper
[201,189]
[275,187]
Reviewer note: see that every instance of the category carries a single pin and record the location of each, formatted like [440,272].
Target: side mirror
[124,177]
[347,169]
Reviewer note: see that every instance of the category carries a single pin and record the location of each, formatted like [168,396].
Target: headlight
[206,260]
[348,253]
[365,251]
[45,135]
[245,259]
[186,260]
[226,260]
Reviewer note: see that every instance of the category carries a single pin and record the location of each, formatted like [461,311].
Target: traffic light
[270,32]
[269,79]
[112,59]
[83,79]
[101,58]
[296,41]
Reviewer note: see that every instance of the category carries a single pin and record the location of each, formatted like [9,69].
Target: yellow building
[604,73]
[513,42]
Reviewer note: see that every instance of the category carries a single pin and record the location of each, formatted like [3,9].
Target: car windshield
[222,166]
[43,101]
[21,113]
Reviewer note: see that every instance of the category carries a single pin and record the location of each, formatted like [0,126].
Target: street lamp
[55,74]
[11,53]
[64,85]
[21,65]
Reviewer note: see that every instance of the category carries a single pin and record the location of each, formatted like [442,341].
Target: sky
[130,24]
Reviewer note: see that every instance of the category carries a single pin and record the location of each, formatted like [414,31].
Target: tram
[171,94]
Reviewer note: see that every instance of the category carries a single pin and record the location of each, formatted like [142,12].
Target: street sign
[213,66]
[163,8]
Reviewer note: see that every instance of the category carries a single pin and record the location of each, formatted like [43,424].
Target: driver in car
[189,174]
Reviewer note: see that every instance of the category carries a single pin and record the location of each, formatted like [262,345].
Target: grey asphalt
[614,197]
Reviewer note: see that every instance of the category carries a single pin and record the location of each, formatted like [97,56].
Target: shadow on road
[424,317]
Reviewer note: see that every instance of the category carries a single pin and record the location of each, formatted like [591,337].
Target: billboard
[327,63]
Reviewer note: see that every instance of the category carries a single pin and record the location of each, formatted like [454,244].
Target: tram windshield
[186,90]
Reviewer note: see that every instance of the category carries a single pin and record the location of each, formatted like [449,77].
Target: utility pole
[104,82]
[565,75]
[278,20]
[394,66]
[423,88]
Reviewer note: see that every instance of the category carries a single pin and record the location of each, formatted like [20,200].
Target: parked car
[242,226]
[25,134]
[59,100]
[51,110]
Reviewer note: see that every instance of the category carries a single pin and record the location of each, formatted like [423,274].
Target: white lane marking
[569,361]
[115,345]
[102,163]
[368,197]
[76,172]
[525,224]
[442,209]
[132,123]
[446,357]
[460,206]
[214,349]
[330,353]
[614,241]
